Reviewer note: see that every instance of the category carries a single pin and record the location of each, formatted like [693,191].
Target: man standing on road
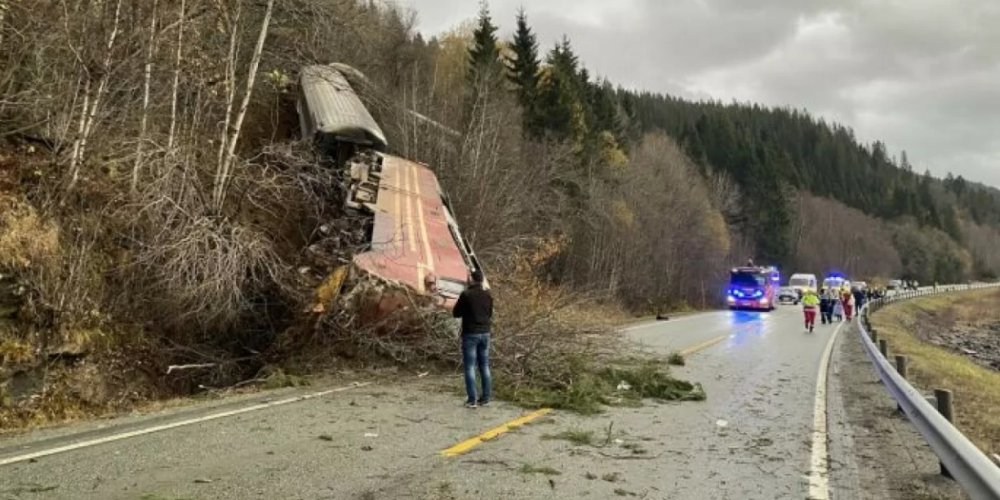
[475,307]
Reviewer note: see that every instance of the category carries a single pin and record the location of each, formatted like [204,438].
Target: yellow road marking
[704,345]
[470,443]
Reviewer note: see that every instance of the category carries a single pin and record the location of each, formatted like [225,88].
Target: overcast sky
[921,75]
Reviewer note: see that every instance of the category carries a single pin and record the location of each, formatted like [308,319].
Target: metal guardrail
[978,476]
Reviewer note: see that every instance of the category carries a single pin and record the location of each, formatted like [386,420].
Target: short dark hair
[477,276]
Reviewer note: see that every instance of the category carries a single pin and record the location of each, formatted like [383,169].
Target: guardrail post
[874,336]
[944,407]
[901,369]
[901,365]
[883,347]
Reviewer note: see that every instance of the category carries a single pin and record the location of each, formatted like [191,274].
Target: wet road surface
[754,437]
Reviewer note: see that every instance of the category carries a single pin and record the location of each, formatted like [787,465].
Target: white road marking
[819,464]
[172,425]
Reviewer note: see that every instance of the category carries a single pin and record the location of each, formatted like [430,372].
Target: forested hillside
[779,161]
[644,197]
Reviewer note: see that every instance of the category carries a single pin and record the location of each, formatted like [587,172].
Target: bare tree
[89,115]
[3,17]
[233,136]
[177,76]
[150,51]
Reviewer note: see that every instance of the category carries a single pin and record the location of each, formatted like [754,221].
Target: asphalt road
[760,434]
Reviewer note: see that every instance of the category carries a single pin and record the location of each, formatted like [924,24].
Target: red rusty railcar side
[411,237]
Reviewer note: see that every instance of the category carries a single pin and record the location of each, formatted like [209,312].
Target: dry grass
[976,389]
[15,352]
[24,237]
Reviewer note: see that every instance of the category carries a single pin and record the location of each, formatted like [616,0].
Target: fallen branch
[629,457]
[173,368]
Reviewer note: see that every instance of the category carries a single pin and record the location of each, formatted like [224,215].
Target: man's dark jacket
[475,307]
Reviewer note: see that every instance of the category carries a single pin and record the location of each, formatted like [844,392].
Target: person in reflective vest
[810,306]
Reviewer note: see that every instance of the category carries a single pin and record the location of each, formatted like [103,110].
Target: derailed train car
[414,240]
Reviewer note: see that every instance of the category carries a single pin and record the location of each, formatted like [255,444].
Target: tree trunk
[87,120]
[238,124]
[177,78]
[230,93]
[150,50]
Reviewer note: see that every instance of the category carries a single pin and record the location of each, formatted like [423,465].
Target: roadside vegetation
[931,331]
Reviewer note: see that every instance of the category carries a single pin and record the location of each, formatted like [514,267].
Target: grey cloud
[922,75]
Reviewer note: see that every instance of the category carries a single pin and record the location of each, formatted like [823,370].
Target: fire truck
[753,287]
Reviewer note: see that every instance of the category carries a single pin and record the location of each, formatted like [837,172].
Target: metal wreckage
[414,256]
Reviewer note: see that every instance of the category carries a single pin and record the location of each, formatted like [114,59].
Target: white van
[801,282]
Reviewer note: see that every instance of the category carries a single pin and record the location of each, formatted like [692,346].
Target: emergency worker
[810,306]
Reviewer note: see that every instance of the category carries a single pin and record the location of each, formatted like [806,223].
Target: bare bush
[651,236]
[204,271]
[984,244]
[829,235]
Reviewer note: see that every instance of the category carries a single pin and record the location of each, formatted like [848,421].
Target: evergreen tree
[904,162]
[562,58]
[559,103]
[483,55]
[523,68]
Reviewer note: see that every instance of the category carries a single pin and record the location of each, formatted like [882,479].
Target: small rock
[367,448]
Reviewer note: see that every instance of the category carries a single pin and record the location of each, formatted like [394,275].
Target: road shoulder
[875,453]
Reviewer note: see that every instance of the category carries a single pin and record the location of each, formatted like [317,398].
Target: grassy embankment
[908,325]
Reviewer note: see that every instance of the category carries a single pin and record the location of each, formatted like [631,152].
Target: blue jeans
[476,353]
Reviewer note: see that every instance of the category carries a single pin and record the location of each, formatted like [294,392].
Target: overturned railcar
[414,239]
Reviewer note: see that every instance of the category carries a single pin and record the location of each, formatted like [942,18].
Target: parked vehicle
[800,282]
[788,295]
